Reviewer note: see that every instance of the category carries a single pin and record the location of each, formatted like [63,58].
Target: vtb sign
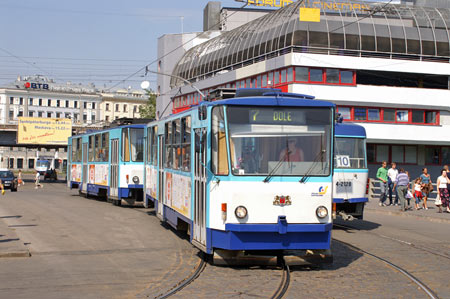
[36,85]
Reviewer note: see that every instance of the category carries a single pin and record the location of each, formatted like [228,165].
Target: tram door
[85,167]
[160,210]
[200,186]
[114,186]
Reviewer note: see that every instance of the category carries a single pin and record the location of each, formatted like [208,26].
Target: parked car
[8,179]
[50,174]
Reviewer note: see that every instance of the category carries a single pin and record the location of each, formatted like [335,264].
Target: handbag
[409,194]
[438,201]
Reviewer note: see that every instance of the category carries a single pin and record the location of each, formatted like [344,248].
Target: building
[386,66]
[38,96]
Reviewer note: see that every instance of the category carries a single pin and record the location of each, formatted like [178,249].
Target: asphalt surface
[84,248]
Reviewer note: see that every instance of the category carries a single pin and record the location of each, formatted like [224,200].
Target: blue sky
[82,41]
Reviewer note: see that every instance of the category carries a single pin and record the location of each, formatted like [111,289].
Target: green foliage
[149,109]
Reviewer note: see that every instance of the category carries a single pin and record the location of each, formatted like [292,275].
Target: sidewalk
[431,214]
[10,244]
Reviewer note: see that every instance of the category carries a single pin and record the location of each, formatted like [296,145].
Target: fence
[375,190]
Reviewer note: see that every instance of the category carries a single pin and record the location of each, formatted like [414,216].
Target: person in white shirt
[392,177]
[37,177]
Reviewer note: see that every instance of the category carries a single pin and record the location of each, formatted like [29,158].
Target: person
[418,192]
[392,176]
[442,184]
[292,153]
[427,186]
[37,177]
[19,178]
[382,175]
[402,185]
[2,187]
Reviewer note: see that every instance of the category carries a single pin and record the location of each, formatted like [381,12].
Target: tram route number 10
[342,161]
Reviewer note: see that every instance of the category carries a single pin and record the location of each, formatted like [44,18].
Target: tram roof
[271,101]
[346,28]
[348,129]
[142,126]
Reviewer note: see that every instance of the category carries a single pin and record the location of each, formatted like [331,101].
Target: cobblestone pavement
[84,248]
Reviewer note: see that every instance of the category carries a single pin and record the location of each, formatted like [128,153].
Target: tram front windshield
[292,141]
[350,153]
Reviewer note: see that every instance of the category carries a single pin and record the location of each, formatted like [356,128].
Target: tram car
[350,171]
[108,163]
[246,176]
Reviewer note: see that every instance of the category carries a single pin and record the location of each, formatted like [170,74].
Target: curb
[405,214]
[24,253]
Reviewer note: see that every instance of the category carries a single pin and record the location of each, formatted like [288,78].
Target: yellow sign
[337,6]
[270,3]
[33,130]
[309,14]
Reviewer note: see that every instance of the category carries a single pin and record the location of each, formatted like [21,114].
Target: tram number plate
[344,187]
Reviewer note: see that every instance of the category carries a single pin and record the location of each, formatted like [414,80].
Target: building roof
[351,28]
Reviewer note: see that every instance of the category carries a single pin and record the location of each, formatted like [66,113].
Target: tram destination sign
[46,131]
[277,116]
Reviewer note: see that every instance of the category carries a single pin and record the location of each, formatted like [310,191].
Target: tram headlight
[136,179]
[240,212]
[322,212]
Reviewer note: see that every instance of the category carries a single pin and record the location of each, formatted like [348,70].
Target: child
[418,192]
[19,178]
[1,187]
[37,177]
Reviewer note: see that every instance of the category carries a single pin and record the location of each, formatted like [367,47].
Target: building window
[30,113]
[316,75]
[76,116]
[67,104]
[92,117]
[107,118]
[30,101]
[107,106]
[58,114]
[20,113]
[11,114]
[93,105]
[11,100]
[40,113]
[390,115]
[11,163]
[75,104]
[347,77]
[67,115]
[332,76]
[84,117]
[117,107]
[49,114]
[31,163]
[301,74]
[19,163]
[135,109]
[125,108]
[58,102]
[21,101]
[49,102]
[40,102]
[400,154]
[85,105]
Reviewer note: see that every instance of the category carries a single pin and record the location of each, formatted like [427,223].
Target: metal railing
[375,190]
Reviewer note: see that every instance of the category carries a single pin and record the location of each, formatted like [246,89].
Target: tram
[246,176]
[350,171]
[108,163]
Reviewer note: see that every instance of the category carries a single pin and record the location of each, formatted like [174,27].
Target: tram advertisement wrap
[76,173]
[91,174]
[150,181]
[34,130]
[178,193]
[98,174]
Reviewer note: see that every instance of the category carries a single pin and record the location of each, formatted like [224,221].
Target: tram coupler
[272,258]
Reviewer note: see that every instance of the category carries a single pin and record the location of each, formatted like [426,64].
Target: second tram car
[248,175]
[108,163]
[350,171]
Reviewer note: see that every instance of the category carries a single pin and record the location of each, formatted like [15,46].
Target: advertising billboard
[47,131]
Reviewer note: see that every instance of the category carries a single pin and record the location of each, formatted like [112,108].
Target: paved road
[83,248]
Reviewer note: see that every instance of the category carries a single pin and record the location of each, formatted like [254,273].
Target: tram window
[149,145]
[186,144]
[176,144]
[91,148]
[219,145]
[137,145]
[155,145]
[168,147]
[125,145]
[97,148]
[104,151]
[76,150]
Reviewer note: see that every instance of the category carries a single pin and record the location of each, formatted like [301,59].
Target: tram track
[429,292]
[284,284]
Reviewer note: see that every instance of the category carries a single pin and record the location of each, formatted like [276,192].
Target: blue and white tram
[350,171]
[246,175]
[108,163]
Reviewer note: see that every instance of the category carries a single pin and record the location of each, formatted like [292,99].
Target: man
[392,177]
[37,177]
[382,175]
[402,185]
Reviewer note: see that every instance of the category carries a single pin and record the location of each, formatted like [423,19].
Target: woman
[442,182]
[427,186]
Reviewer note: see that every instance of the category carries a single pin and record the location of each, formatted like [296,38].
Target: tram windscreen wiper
[308,172]
[270,175]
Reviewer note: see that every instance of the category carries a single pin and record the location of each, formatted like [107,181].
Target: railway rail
[284,284]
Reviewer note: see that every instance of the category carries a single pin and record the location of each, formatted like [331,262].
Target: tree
[149,109]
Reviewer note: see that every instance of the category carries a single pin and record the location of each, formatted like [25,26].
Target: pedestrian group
[396,183]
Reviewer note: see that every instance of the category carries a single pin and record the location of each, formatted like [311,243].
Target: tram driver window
[186,143]
[104,152]
[219,144]
[125,145]
[91,148]
[137,145]
[168,145]
[97,148]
